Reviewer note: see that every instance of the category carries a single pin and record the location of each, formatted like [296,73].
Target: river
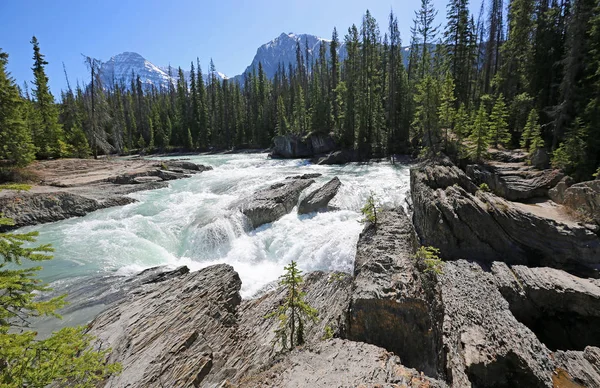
[190,223]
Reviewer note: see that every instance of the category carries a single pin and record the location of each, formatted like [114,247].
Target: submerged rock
[305,176]
[270,204]
[463,222]
[320,198]
[339,157]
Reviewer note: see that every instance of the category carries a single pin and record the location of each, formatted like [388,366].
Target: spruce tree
[48,134]
[479,138]
[446,111]
[530,128]
[15,141]
[294,313]
[498,123]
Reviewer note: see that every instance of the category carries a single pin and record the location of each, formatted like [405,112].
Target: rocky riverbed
[516,302]
[75,187]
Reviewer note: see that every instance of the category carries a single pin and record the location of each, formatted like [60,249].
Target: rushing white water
[190,223]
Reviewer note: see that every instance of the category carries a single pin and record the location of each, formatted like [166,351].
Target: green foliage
[446,112]
[328,332]
[47,131]
[532,129]
[479,137]
[425,124]
[370,209]
[498,130]
[430,257]
[572,152]
[15,139]
[15,187]
[484,187]
[66,357]
[294,312]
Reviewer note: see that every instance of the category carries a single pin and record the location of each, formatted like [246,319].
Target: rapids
[190,223]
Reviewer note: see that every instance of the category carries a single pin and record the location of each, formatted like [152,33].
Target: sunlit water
[191,223]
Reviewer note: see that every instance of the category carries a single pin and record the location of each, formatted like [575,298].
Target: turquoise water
[191,223]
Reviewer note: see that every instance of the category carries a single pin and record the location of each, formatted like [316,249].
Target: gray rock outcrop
[557,193]
[320,198]
[463,222]
[514,181]
[294,146]
[486,345]
[563,310]
[584,198]
[38,208]
[340,363]
[394,305]
[193,329]
[270,204]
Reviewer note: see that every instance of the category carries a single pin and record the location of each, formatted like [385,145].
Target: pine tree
[498,123]
[531,127]
[461,129]
[479,138]
[48,134]
[282,123]
[446,111]
[67,356]
[426,123]
[15,141]
[294,313]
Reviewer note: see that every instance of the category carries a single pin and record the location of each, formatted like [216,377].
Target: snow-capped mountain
[124,67]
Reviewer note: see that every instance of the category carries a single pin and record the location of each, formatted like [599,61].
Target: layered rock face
[272,203]
[39,208]
[451,214]
[82,192]
[393,304]
[514,181]
[194,330]
[320,198]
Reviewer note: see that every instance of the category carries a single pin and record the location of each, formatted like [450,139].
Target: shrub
[429,256]
[370,210]
[484,187]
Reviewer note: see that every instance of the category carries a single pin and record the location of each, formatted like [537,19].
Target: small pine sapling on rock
[370,210]
[294,311]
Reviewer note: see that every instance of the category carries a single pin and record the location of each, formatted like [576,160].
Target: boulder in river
[320,198]
[294,146]
[270,204]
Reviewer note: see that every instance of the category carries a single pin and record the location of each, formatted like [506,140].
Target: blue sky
[174,32]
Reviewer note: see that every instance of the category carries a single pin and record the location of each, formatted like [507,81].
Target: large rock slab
[168,332]
[486,345]
[463,222]
[562,309]
[514,181]
[394,305]
[340,363]
[584,197]
[269,205]
[320,198]
[38,208]
[193,329]
[577,369]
